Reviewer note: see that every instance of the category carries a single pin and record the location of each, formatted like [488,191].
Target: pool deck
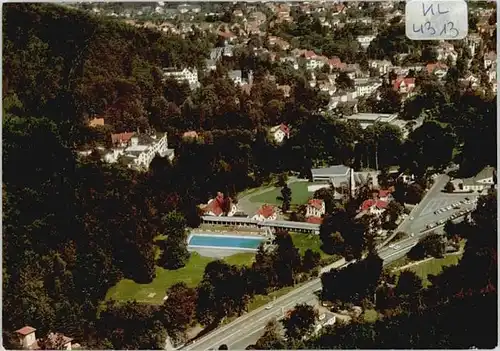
[214,253]
[220,252]
[228,232]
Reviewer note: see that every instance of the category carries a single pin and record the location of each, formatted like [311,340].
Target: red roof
[370,202]
[314,220]
[215,205]
[336,63]
[121,137]
[266,211]
[431,67]
[25,330]
[317,203]
[309,54]
[396,84]
[226,35]
[384,193]
[285,129]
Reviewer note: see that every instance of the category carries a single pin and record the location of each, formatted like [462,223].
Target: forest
[73,227]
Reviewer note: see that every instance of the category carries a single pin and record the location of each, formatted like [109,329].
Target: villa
[138,150]
[219,205]
[372,206]
[266,212]
[280,132]
[315,208]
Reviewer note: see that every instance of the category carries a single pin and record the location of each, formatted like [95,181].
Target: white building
[368,119]
[280,132]
[315,208]
[236,77]
[266,212]
[313,63]
[365,40]
[329,173]
[186,75]
[490,58]
[291,60]
[365,86]
[215,206]
[483,180]
[138,150]
[445,50]
[373,207]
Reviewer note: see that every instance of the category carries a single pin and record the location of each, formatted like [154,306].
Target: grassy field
[191,274]
[307,241]
[300,195]
[434,266]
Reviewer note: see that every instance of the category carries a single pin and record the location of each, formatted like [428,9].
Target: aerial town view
[248,176]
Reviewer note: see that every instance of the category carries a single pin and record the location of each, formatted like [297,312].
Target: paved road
[248,328]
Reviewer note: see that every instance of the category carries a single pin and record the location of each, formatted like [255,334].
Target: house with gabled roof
[220,206]
[315,208]
[438,69]
[404,85]
[280,132]
[266,212]
[372,206]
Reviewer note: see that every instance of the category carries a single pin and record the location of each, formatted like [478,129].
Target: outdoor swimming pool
[250,243]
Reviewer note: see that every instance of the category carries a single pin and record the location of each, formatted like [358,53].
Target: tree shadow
[209,328]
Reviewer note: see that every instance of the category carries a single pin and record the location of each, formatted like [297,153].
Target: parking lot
[443,202]
[451,211]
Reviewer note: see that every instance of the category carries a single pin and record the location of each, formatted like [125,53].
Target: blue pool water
[225,242]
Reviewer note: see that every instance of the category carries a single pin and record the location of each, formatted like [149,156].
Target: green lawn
[434,266]
[300,195]
[191,274]
[308,241]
